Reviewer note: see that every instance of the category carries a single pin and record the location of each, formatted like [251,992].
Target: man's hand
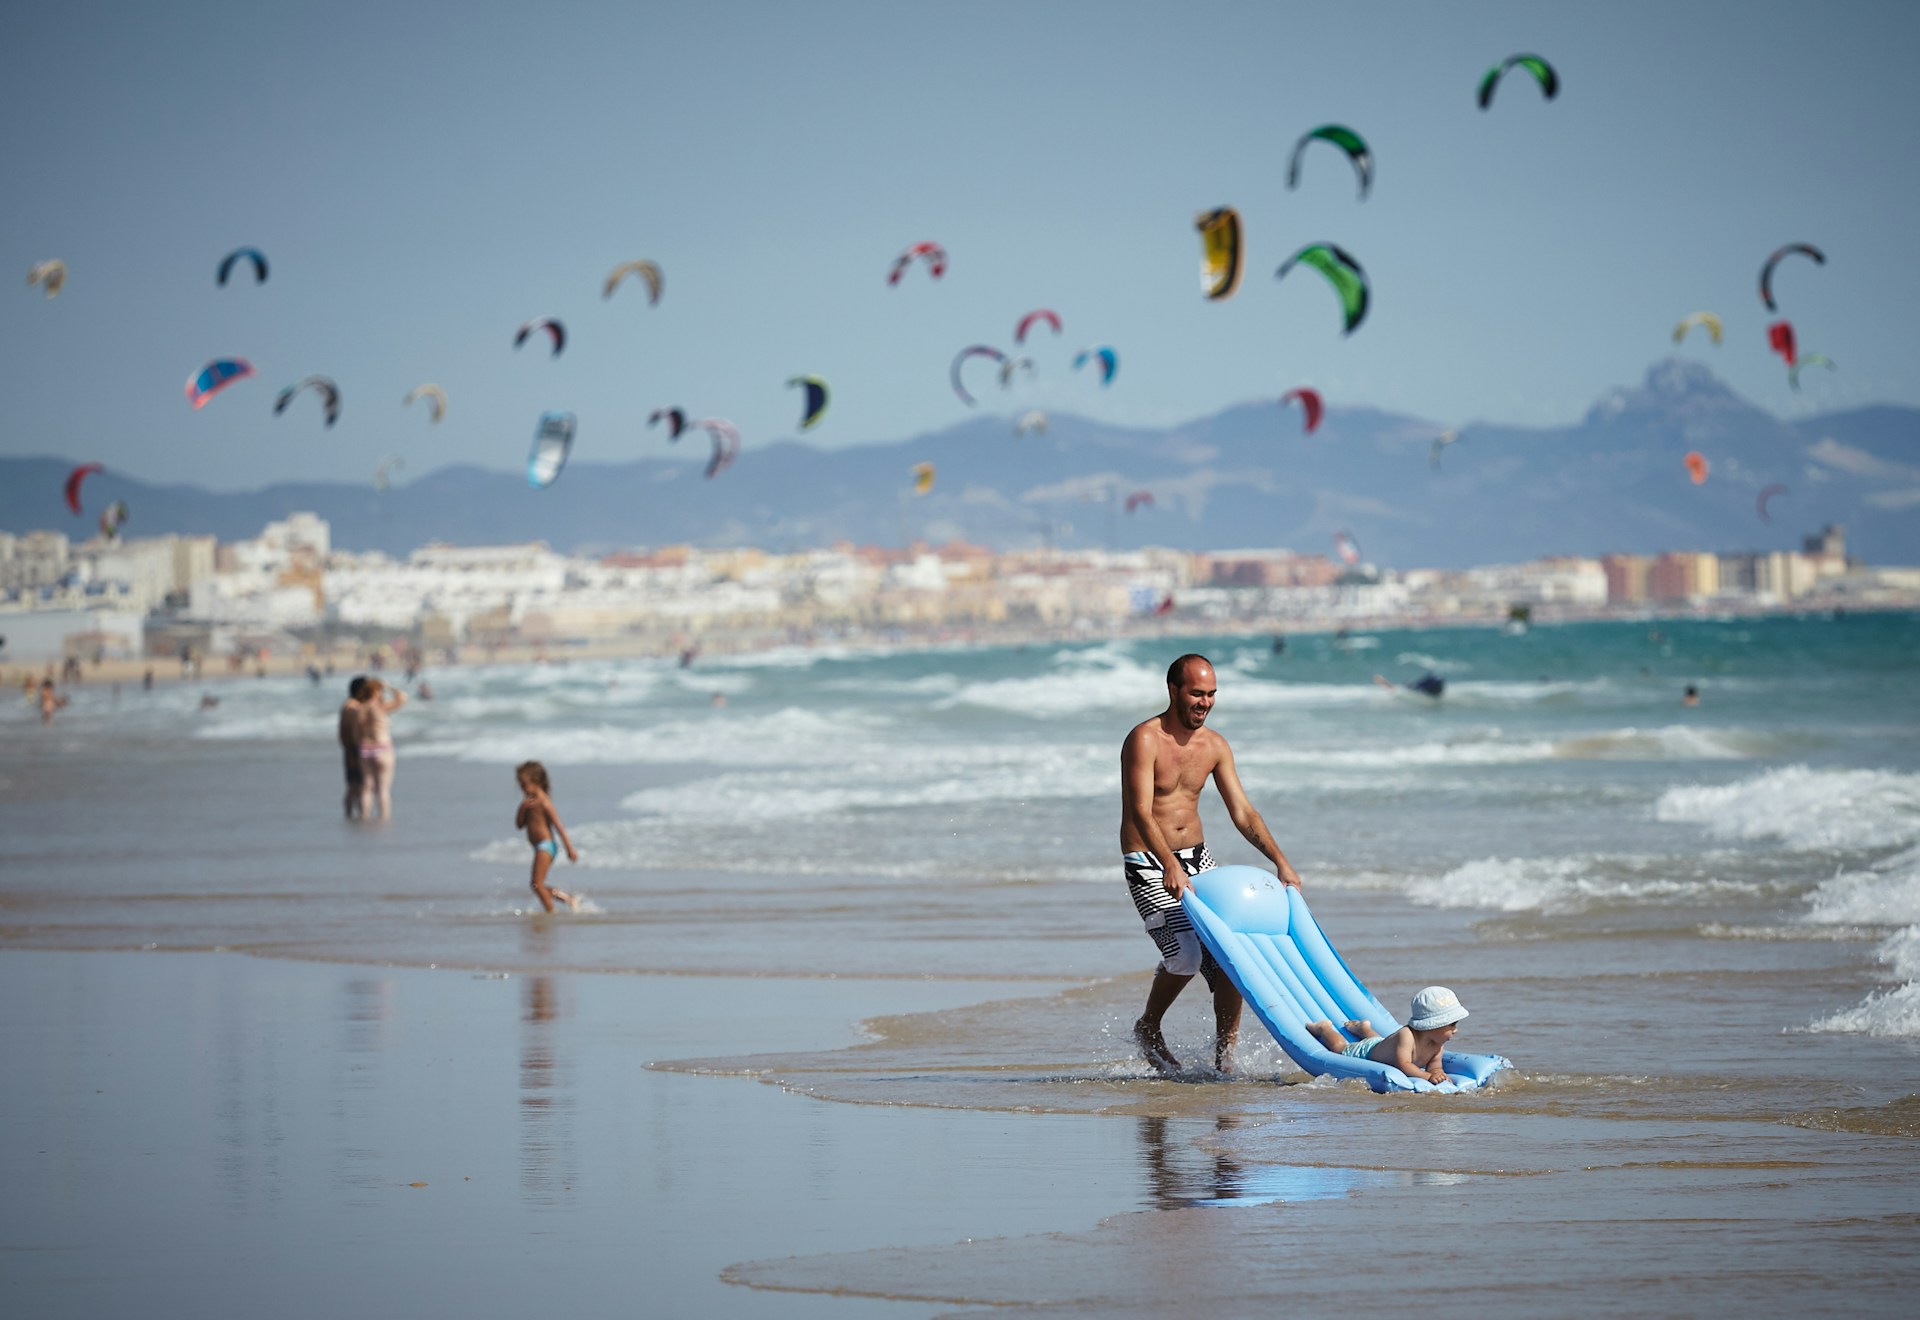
[1177,881]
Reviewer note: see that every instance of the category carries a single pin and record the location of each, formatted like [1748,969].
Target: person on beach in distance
[1414,1049]
[1164,764]
[376,748]
[350,712]
[544,831]
[50,701]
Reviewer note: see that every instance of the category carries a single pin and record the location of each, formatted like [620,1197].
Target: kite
[1345,139]
[552,442]
[1708,319]
[1696,467]
[74,480]
[726,444]
[936,258]
[384,468]
[329,396]
[922,478]
[816,399]
[1031,421]
[1807,360]
[1219,252]
[112,519]
[1780,340]
[1342,272]
[214,377]
[675,418]
[1309,403]
[953,372]
[1108,359]
[436,400]
[1026,323]
[1533,64]
[1766,494]
[1012,365]
[1138,498]
[1440,443]
[49,275]
[1347,548]
[1766,270]
[257,257]
[648,273]
[551,325]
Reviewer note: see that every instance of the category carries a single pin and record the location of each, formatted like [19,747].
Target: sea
[1693,928]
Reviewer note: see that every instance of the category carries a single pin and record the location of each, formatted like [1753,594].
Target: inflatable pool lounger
[1262,933]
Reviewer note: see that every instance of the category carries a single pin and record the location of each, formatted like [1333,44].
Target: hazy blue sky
[424,178]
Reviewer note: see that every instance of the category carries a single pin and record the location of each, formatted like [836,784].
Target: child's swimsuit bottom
[549,846]
[1362,1049]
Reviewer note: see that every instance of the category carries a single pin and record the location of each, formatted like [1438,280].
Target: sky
[424,178]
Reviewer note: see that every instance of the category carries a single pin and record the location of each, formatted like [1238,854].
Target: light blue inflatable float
[1262,933]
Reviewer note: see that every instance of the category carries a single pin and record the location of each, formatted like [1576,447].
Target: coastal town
[288,597]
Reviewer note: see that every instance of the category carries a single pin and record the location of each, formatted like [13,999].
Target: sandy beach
[829,1038]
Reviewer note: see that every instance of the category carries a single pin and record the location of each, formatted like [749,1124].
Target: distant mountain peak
[1672,385]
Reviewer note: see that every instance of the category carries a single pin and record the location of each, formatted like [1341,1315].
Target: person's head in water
[357,690]
[1190,689]
[1692,697]
[535,774]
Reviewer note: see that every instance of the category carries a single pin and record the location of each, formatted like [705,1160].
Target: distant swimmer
[688,656]
[1164,764]
[1428,684]
[1279,644]
[424,691]
[541,821]
[209,702]
[50,701]
[1691,696]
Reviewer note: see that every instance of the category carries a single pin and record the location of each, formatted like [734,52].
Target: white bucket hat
[1435,1006]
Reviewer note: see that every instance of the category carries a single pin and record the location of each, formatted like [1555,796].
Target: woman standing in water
[376,748]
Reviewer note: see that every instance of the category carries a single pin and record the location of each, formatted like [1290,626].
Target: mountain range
[1244,477]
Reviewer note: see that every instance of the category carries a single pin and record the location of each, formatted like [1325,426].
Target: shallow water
[1695,931]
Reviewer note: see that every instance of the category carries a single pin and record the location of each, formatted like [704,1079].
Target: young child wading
[1414,1049]
[544,831]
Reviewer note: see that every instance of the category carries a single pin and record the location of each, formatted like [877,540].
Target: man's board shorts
[1166,921]
[351,755]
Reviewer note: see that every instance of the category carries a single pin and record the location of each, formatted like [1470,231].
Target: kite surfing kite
[112,519]
[1011,367]
[551,325]
[254,255]
[435,396]
[933,253]
[1026,323]
[1310,404]
[726,444]
[1342,272]
[675,418]
[1108,359]
[384,469]
[976,350]
[74,480]
[1766,494]
[1707,319]
[1439,447]
[552,442]
[816,399]
[1219,252]
[922,478]
[1031,421]
[1533,64]
[1780,340]
[329,396]
[1138,498]
[1345,139]
[1696,467]
[49,275]
[1807,360]
[649,275]
[214,377]
[1346,547]
[1766,270]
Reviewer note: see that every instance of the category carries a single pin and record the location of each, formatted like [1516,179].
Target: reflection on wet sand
[1185,1168]
[546,1099]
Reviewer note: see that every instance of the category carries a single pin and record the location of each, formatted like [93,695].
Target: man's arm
[1136,802]
[1248,821]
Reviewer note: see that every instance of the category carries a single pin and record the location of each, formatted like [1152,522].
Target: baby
[1414,1049]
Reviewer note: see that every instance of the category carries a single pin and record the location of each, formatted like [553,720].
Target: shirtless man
[351,711]
[1164,764]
